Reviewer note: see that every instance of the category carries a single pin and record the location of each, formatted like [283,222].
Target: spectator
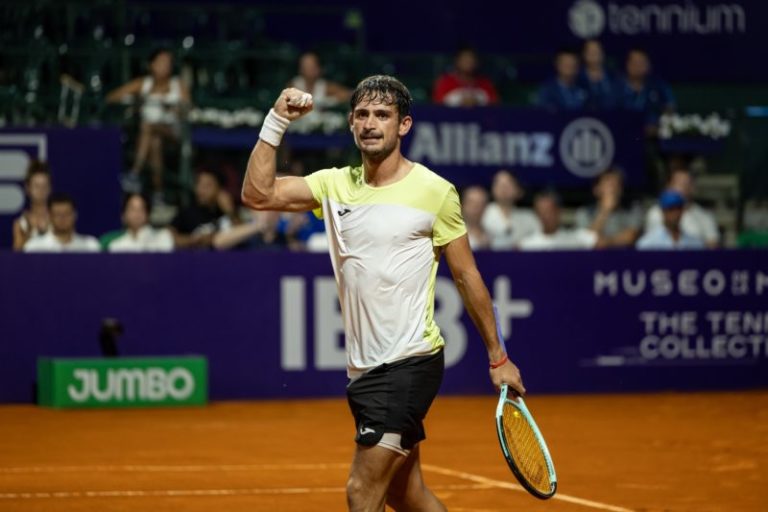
[35,220]
[670,235]
[298,228]
[325,93]
[696,221]
[260,233]
[642,92]
[616,225]
[563,92]
[599,83]
[505,224]
[474,200]
[139,236]
[213,210]
[553,236]
[62,236]
[464,86]
[162,98]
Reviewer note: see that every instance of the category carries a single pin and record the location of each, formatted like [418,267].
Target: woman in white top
[324,92]
[35,220]
[163,98]
[506,224]
[139,236]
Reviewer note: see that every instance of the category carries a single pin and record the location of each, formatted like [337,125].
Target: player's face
[377,128]
[63,218]
[135,216]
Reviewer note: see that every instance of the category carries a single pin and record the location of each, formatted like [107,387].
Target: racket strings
[525,449]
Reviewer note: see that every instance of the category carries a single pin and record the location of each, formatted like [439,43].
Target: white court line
[149,468]
[158,468]
[171,493]
[514,487]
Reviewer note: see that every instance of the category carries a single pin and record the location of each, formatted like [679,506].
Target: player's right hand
[507,374]
[293,103]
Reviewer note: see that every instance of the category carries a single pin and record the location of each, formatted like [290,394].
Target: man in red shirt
[464,87]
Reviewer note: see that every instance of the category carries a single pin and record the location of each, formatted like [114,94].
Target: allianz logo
[585,147]
[588,18]
[131,384]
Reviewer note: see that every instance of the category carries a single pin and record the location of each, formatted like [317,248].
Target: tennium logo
[588,18]
[586,147]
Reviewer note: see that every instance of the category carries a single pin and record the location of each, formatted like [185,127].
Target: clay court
[662,452]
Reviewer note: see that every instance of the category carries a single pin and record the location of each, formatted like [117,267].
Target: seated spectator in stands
[260,233]
[642,92]
[474,200]
[670,234]
[505,223]
[325,93]
[464,86]
[696,221]
[600,83]
[298,228]
[616,225]
[553,236]
[62,236]
[163,98]
[139,236]
[35,220]
[563,92]
[213,210]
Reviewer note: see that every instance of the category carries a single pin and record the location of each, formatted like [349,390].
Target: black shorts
[394,398]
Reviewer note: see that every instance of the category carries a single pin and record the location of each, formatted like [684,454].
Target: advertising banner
[122,382]
[270,325]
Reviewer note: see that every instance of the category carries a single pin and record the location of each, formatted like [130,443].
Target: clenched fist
[293,103]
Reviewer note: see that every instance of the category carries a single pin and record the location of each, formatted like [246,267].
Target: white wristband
[273,128]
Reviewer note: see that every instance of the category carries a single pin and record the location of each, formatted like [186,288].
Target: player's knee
[355,488]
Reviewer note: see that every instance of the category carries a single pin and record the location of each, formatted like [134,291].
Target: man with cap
[669,235]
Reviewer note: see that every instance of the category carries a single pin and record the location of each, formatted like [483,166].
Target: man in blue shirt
[643,92]
[596,79]
[562,93]
[670,235]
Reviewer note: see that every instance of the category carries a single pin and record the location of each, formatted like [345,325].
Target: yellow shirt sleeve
[449,224]
[318,184]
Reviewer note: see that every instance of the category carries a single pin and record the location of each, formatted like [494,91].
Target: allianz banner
[466,146]
[122,382]
[270,326]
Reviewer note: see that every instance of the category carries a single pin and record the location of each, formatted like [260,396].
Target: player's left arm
[478,303]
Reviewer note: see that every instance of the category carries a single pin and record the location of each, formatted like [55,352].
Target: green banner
[122,382]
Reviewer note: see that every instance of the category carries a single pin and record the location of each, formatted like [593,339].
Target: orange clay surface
[664,452]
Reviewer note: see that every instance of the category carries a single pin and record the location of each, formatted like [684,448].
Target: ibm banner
[468,145]
[270,326]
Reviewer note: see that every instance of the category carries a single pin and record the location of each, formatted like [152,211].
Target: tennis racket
[521,441]
[523,445]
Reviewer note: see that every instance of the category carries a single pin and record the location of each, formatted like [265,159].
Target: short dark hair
[37,167]
[127,199]
[567,51]
[212,173]
[157,52]
[386,89]
[61,198]
[548,193]
[636,49]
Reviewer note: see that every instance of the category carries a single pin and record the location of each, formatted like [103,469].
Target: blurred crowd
[500,215]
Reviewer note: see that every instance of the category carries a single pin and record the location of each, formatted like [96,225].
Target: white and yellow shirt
[383,242]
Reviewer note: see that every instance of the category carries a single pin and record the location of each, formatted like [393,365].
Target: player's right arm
[261,189]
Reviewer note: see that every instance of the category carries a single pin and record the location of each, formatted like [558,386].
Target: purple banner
[543,149]
[85,163]
[270,326]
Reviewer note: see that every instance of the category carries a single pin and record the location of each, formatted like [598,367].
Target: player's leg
[407,492]
[372,470]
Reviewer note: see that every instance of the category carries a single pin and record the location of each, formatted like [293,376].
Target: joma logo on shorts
[131,384]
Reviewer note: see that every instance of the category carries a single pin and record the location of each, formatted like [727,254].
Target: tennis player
[388,221]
